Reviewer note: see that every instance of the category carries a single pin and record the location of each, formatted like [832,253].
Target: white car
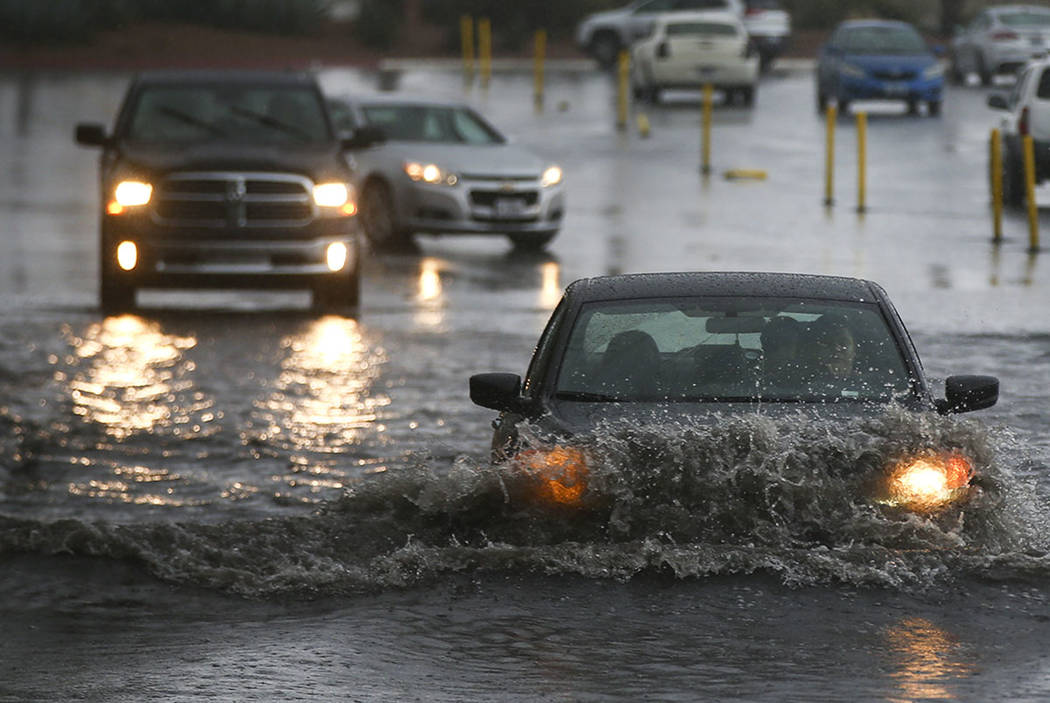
[1026,111]
[691,49]
[604,35]
[769,26]
[1000,40]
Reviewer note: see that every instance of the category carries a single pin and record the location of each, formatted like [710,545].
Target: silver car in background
[1000,40]
[440,168]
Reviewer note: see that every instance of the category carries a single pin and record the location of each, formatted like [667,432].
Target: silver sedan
[999,41]
[440,168]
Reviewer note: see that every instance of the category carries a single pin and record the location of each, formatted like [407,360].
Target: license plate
[896,88]
[705,70]
[510,207]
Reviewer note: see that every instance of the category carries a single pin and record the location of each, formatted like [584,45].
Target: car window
[882,39]
[701,29]
[1019,87]
[732,349]
[702,5]
[654,6]
[173,113]
[1043,90]
[426,123]
[763,4]
[1025,19]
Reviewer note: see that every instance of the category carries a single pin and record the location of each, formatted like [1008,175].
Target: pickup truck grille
[233,199]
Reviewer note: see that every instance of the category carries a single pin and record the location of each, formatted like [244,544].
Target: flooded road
[226,496]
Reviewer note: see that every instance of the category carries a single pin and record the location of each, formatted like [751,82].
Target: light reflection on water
[430,296]
[926,659]
[550,286]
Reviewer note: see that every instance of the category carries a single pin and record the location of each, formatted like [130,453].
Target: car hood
[606,16]
[316,161]
[498,160]
[884,63]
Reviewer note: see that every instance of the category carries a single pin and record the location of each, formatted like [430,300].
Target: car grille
[233,199]
[488,198]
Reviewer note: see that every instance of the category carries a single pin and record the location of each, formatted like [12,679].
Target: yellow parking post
[466,37]
[705,130]
[1029,191]
[622,86]
[829,155]
[995,161]
[485,50]
[862,159]
[540,49]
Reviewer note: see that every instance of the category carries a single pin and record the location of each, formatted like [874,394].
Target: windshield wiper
[189,119]
[267,121]
[587,397]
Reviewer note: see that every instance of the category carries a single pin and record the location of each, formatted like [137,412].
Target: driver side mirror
[364,137]
[963,394]
[91,135]
[997,101]
[497,391]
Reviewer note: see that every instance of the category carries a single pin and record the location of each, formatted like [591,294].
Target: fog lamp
[929,481]
[336,256]
[560,473]
[127,255]
[132,194]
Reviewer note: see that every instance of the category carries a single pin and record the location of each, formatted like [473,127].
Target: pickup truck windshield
[268,114]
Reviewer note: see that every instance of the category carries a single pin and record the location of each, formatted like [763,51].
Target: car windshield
[700,29]
[431,123]
[878,39]
[190,113]
[1025,19]
[732,349]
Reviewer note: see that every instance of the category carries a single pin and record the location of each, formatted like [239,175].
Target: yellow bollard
[705,130]
[1029,191]
[466,37]
[540,50]
[622,86]
[862,159]
[643,124]
[995,161]
[829,155]
[485,50]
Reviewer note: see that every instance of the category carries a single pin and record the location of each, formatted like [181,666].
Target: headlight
[928,481]
[848,69]
[550,177]
[559,473]
[430,173]
[933,71]
[132,193]
[331,194]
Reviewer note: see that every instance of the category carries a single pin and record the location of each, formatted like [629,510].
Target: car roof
[725,283]
[211,76]
[1007,9]
[421,101]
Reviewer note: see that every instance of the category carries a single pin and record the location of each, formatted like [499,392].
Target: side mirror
[91,135]
[997,101]
[497,391]
[965,393]
[364,137]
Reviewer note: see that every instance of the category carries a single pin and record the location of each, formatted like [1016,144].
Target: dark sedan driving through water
[721,344]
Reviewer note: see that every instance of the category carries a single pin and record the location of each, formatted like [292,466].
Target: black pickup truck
[216,179]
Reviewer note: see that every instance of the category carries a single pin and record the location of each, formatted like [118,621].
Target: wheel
[933,108]
[378,218]
[531,242]
[747,93]
[822,101]
[913,107]
[955,74]
[843,107]
[1013,178]
[983,71]
[338,293]
[605,48]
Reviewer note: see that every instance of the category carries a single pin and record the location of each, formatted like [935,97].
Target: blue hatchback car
[878,60]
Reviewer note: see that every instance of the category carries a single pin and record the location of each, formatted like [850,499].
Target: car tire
[955,74]
[531,242]
[933,108]
[747,95]
[983,71]
[843,108]
[822,101]
[379,219]
[338,292]
[605,48]
[1013,178]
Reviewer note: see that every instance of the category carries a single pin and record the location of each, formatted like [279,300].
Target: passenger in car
[630,367]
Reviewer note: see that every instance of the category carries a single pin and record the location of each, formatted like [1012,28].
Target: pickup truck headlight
[551,176]
[430,173]
[331,194]
[132,193]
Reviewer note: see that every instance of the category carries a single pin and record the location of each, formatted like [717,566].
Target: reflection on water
[322,401]
[430,311]
[926,658]
[131,374]
[550,287]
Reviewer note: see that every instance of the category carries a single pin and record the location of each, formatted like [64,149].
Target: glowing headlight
[336,255]
[848,69]
[127,255]
[331,194]
[933,71]
[132,193]
[560,473]
[928,482]
[430,173]
[550,177]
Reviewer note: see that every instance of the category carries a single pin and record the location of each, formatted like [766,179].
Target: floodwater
[226,497]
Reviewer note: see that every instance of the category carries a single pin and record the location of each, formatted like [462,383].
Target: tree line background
[380,23]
